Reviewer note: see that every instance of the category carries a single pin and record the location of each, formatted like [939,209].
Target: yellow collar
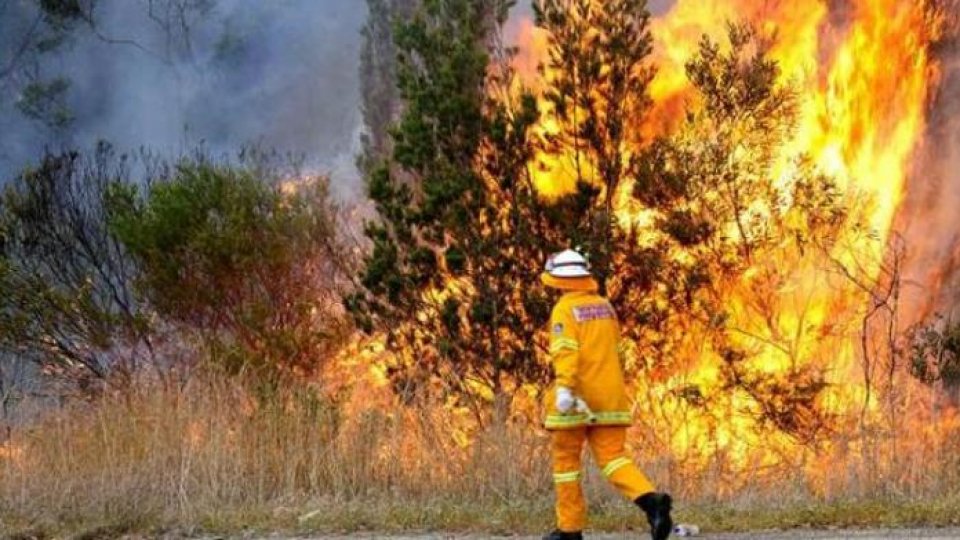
[579,284]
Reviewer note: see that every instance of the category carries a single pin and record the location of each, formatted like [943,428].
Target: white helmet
[568,264]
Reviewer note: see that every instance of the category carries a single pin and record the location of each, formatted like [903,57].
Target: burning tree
[729,230]
[726,228]
[679,227]
[595,98]
[685,225]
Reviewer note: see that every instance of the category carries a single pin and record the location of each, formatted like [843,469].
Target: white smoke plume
[280,74]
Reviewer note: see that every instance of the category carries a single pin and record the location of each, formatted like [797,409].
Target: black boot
[657,506]
[560,535]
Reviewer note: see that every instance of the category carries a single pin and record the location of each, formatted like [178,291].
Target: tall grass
[209,451]
[209,455]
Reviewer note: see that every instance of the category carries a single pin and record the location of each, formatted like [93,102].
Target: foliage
[35,36]
[724,228]
[935,353]
[66,300]
[249,265]
[29,33]
[46,102]
[64,12]
[596,78]
[461,234]
[101,276]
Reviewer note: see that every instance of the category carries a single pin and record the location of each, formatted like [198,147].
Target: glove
[581,406]
[565,400]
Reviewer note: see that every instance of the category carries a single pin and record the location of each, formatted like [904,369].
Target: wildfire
[866,118]
[864,74]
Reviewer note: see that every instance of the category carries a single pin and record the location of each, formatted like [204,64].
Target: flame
[194,434]
[865,120]
[864,85]
[864,74]
[11,452]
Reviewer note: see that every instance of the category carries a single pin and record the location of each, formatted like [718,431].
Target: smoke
[928,219]
[279,74]
[523,9]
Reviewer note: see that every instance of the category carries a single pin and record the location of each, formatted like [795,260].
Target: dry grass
[210,455]
[209,458]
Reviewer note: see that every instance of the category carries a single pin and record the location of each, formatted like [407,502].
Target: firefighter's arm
[564,348]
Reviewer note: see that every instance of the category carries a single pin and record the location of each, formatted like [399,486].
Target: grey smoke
[656,7]
[929,218]
[281,74]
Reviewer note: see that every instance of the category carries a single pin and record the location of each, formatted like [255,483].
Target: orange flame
[11,452]
[864,73]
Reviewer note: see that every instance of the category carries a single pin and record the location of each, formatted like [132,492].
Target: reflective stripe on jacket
[584,352]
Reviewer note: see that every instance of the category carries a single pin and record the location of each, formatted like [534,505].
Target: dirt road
[900,534]
[929,534]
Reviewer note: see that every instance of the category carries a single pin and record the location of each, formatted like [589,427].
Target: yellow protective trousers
[608,446]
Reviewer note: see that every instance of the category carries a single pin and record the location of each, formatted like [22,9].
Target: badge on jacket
[594,312]
[558,329]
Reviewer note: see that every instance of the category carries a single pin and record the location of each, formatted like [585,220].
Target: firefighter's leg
[608,446]
[609,450]
[571,507]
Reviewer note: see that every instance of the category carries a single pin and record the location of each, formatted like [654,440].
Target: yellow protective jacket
[585,352]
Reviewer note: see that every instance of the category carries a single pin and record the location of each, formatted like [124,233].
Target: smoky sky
[280,74]
[657,7]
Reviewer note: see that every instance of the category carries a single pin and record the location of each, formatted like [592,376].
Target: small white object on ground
[309,515]
[686,529]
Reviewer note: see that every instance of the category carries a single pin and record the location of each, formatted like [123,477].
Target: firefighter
[588,402]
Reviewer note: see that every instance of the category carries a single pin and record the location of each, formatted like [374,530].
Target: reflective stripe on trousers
[607,443]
